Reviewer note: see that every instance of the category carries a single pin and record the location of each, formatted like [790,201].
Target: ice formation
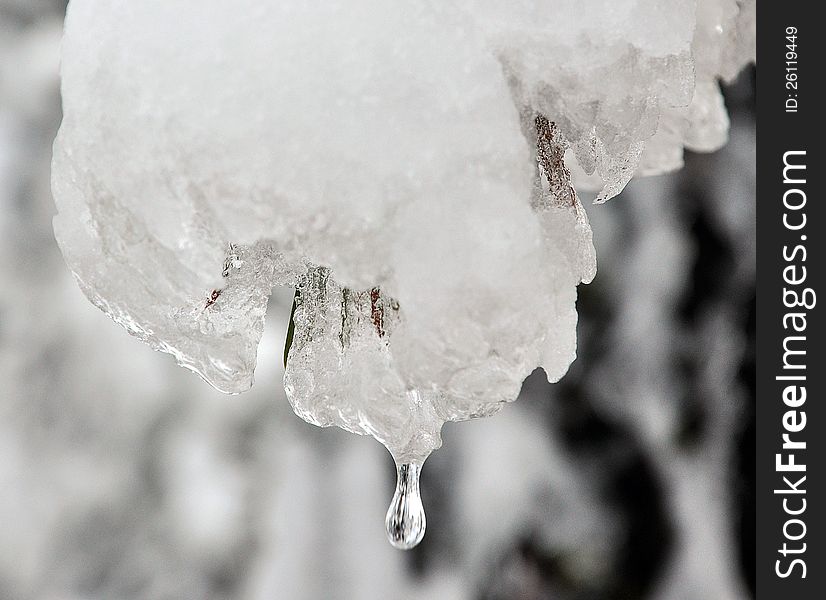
[406,166]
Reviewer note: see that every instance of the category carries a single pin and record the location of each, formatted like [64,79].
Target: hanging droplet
[405,519]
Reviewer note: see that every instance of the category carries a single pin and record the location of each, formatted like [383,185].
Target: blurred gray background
[123,476]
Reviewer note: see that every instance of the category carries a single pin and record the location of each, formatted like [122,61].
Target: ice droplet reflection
[405,519]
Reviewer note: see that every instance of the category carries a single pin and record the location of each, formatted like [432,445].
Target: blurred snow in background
[123,476]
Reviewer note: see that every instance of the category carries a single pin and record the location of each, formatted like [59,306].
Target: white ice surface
[400,163]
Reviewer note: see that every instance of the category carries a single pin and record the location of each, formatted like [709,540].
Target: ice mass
[410,168]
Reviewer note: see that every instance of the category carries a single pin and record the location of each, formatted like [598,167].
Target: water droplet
[405,519]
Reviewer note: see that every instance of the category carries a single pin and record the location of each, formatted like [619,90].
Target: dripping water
[405,519]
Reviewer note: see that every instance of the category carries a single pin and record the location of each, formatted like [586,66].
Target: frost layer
[401,164]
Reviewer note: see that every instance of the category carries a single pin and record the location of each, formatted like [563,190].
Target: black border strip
[780,130]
